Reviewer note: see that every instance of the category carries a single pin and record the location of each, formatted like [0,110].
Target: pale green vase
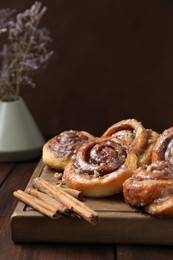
[20,138]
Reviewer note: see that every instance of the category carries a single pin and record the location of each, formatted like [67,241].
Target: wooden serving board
[119,223]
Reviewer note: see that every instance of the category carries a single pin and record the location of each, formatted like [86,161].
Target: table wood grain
[15,176]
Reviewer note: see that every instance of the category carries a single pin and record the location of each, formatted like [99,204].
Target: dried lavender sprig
[5,17]
[33,15]
[26,52]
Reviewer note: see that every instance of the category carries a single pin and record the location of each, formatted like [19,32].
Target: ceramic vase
[20,138]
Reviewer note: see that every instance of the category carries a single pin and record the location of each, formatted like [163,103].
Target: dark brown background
[113,60]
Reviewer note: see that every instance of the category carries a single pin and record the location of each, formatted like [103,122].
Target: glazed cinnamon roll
[59,150]
[163,148]
[100,167]
[139,139]
[131,131]
[152,188]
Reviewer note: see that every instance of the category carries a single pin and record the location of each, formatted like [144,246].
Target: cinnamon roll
[100,167]
[139,139]
[59,150]
[151,186]
[163,148]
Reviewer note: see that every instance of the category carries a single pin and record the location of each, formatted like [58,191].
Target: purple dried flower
[26,52]
[5,17]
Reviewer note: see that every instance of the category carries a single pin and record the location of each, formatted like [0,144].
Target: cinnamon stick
[56,205]
[75,193]
[63,197]
[37,204]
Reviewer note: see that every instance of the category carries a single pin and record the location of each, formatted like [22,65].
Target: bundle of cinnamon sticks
[54,201]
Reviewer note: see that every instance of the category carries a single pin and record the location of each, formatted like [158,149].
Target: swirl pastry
[163,148]
[59,150]
[152,188]
[100,167]
[139,139]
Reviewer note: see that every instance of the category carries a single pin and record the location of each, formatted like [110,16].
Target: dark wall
[113,60]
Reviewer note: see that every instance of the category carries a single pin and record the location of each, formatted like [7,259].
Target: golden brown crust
[59,150]
[139,139]
[145,157]
[149,183]
[161,207]
[162,149]
[100,167]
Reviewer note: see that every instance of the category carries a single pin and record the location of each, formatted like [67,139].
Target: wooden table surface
[15,176]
